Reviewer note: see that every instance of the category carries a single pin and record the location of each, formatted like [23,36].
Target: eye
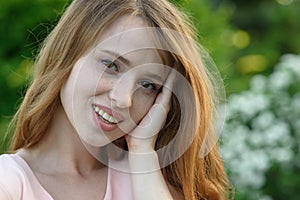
[110,65]
[148,85]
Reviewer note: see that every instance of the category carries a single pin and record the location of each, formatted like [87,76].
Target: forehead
[129,37]
[128,34]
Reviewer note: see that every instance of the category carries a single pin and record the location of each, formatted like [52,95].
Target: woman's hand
[142,139]
[147,179]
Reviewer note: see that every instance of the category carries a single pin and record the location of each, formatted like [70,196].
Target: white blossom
[263,127]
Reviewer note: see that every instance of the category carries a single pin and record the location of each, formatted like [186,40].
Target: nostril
[123,101]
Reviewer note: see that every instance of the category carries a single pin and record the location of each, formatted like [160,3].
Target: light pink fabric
[17,182]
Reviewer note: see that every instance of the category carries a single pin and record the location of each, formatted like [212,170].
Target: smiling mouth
[105,116]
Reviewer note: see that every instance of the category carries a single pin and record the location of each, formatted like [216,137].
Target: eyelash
[144,84]
[109,64]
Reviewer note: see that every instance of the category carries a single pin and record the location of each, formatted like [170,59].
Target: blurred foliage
[244,38]
[265,133]
[23,24]
[215,33]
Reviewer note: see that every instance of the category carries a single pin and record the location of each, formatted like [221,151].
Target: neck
[62,150]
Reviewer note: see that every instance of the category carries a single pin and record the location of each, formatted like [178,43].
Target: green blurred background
[245,38]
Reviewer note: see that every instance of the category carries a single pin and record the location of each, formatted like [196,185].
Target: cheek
[102,85]
[141,105]
[82,80]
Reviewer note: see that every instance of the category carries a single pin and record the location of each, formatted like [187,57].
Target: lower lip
[103,125]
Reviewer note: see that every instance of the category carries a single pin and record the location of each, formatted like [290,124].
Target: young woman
[120,107]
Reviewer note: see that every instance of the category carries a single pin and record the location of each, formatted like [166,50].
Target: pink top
[18,182]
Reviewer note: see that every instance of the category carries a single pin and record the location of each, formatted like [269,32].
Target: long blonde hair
[79,28]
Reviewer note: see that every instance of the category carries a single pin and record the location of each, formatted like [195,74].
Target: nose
[121,93]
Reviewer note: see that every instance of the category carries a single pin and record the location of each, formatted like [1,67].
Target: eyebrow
[118,56]
[155,76]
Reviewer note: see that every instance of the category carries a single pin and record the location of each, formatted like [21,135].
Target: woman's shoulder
[5,158]
[18,180]
[11,174]
[9,165]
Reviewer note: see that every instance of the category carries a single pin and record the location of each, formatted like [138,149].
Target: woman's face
[113,86]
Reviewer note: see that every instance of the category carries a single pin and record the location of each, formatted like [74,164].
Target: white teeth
[111,119]
[115,120]
[105,115]
[101,112]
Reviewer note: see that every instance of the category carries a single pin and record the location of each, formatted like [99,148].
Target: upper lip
[111,112]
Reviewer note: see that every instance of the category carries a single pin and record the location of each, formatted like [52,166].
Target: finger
[152,122]
[165,96]
[171,78]
[155,118]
